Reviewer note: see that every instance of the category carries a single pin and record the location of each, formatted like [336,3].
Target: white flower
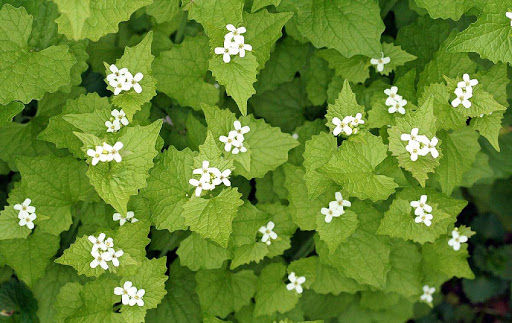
[421,206]
[331,212]
[113,151]
[235,34]
[380,62]
[342,126]
[133,81]
[230,140]
[112,126]
[120,84]
[96,154]
[392,95]
[200,186]
[136,297]
[398,106]
[239,148]
[27,220]
[268,233]
[109,243]
[427,294]
[431,146]
[221,178]
[509,16]
[424,218]
[462,98]
[241,48]
[204,171]
[116,73]
[240,131]
[357,120]
[457,239]
[415,149]
[413,136]
[125,292]
[340,203]
[467,83]
[226,51]
[295,282]
[100,259]
[99,242]
[295,136]
[120,116]
[129,217]
[24,208]
[115,255]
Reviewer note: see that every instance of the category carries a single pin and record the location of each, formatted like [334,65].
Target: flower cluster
[427,294]
[336,208]
[234,44]
[103,252]
[394,101]
[457,239]
[380,62]
[420,145]
[106,153]
[234,141]
[117,120]
[268,233]
[422,211]
[349,125]
[129,217]
[464,92]
[295,282]
[210,178]
[123,80]
[26,214]
[130,295]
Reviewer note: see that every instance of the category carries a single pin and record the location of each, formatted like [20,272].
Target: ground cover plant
[255,161]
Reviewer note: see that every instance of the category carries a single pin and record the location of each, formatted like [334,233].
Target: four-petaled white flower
[414,148]
[123,80]
[462,98]
[392,94]
[200,186]
[25,208]
[221,177]
[112,125]
[96,154]
[420,145]
[240,131]
[234,44]
[129,217]
[457,239]
[234,141]
[467,83]
[115,255]
[229,141]
[204,171]
[431,146]
[342,126]
[331,212]
[27,220]
[295,282]
[427,294]
[120,116]
[413,136]
[125,291]
[133,81]
[105,153]
[509,16]
[380,62]
[136,298]
[424,218]
[340,203]
[421,206]
[268,233]
[210,178]
[398,106]
[100,259]
[98,242]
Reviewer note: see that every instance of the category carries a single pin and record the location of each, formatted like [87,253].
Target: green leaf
[116,182]
[181,72]
[353,166]
[352,28]
[489,36]
[271,293]
[53,196]
[354,69]
[26,74]
[459,152]
[489,126]
[317,77]
[94,19]
[212,218]
[440,262]
[446,116]
[168,188]
[137,59]
[397,55]
[398,221]
[317,153]
[29,257]
[338,231]
[197,253]
[404,277]
[424,120]
[163,10]
[181,302]
[9,111]
[258,4]
[248,253]
[9,227]
[222,292]
[445,10]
